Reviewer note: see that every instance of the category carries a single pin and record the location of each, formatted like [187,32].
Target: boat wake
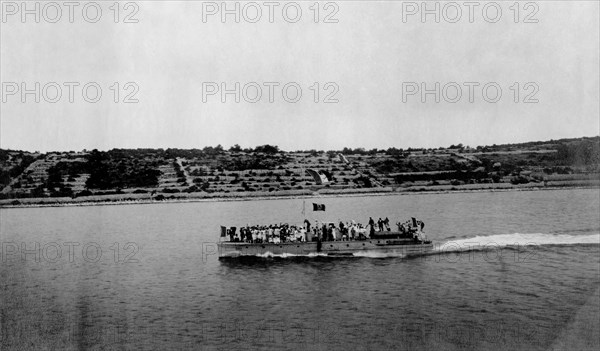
[495,242]
[373,254]
[515,240]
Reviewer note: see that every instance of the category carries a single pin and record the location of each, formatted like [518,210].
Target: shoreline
[314,195]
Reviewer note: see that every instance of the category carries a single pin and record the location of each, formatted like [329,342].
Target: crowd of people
[323,231]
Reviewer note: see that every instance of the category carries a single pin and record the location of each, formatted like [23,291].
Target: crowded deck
[323,231]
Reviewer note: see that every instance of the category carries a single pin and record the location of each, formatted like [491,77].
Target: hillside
[157,174]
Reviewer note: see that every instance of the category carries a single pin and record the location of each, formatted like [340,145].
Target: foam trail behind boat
[287,255]
[374,254]
[516,239]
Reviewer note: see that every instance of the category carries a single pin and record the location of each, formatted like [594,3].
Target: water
[509,271]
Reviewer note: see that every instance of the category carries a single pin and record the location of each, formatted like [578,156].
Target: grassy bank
[125,199]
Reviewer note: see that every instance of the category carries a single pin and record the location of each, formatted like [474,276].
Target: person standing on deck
[277,234]
[248,234]
[386,223]
[372,225]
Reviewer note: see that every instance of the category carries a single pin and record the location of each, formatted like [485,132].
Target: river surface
[509,272]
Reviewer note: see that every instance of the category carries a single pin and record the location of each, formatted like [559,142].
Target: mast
[303,200]
[304,208]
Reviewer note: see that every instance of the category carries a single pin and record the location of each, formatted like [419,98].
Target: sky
[505,73]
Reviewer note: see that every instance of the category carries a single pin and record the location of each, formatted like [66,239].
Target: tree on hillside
[585,152]
[235,148]
[267,149]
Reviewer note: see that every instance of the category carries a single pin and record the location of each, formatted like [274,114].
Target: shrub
[192,189]
[116,192]
[84,193]
[170,191]
[519,180]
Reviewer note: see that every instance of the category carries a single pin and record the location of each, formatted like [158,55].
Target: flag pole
[304,208]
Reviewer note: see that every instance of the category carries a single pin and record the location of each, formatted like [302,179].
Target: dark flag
[318,207]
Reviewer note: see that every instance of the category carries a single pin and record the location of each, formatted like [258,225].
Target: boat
[386,243]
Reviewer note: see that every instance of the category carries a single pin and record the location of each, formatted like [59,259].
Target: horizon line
[299,150]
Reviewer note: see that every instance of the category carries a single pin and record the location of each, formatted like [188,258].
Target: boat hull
[328,248]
